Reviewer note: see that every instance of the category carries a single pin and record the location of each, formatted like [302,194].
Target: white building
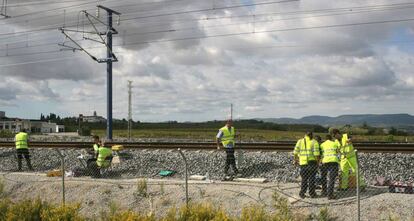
[35,126]
[60,128]
[14,125]
[93,119]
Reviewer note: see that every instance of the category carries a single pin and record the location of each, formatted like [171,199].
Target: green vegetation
[41,210]
[244,134]
[6,134]
[142,188]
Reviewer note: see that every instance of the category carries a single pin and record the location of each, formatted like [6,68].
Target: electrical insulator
[97,12]
[118,21]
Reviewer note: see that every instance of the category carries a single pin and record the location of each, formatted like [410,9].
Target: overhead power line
[350,10]
[247,33]
[272,46]
[204,27]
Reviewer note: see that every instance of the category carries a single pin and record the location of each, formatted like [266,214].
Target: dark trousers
[92,168]
[23,153]
[329,170]
[230,161]
[308,174]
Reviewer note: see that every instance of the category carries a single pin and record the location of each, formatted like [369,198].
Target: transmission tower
[129,109]
[110,56]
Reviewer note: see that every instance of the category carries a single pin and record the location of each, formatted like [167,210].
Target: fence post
[357,187]
[62,160]
[186,176]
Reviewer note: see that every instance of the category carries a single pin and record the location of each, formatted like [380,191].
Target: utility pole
[129,109]
[109,70]
[231,111]
[3,11]
[110,56]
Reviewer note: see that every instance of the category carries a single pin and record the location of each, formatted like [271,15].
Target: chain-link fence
[155,180]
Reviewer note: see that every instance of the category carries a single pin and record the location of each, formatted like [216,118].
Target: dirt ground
[96,195]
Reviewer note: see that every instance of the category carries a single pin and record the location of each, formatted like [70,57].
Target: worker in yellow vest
[306,155]
[103,160]
[22,149]
[348,160]
[329,157]
[226,138]
[104,157]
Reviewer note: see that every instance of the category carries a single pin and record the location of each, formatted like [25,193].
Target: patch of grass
[162,188]
[245,134]
[142,188]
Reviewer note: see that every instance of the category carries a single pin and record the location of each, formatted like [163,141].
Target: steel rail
[257,146]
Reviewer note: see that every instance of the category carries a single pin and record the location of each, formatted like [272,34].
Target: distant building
[2,114]
[35,126]
[93,119]
[14,124]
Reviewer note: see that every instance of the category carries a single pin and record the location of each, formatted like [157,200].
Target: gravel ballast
[275,166]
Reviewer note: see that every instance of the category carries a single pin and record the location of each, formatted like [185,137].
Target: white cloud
[280,73]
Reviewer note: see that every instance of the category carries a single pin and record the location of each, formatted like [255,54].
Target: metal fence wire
[154,180]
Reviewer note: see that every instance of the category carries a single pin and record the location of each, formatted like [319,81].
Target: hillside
[378,120]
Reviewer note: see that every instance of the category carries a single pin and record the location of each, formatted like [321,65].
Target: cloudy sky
[190,59]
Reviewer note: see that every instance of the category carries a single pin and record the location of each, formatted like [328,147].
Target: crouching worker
[330,165]
[94,153]
[103,160]
[22,149]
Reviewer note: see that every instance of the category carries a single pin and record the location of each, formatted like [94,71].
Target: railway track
[258,146]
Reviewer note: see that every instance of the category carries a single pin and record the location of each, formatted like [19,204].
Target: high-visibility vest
[103,153]
[347,149]
[307,150]
[228,136]
[21,140]
[330,151]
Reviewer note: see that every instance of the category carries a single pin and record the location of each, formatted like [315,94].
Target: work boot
[331,197]
[19,165]
[313,195]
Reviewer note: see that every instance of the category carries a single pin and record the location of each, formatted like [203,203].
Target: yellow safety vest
[330,151]
[228,136]
[103,153]
[347,149]
[307,150]
[21,140]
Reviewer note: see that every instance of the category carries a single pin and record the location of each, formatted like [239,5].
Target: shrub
[62,213]
[6,134]
[199,212]
[142,188]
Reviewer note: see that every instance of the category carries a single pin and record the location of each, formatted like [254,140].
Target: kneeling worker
[330,152]
[103,160]
[306,154]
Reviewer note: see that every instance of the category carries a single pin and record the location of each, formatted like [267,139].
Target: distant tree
[365,125]
[42,117]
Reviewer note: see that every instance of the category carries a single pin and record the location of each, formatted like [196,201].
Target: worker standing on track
[226,138]
[329,168]
[22,149]
[306,154]
[348,159]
